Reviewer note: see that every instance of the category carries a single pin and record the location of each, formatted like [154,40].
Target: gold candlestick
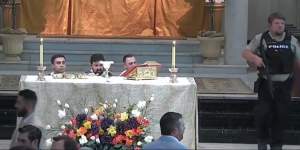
[41,73]
[173,76]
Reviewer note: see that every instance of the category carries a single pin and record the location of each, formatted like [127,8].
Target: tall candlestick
[41,53]
[173,54]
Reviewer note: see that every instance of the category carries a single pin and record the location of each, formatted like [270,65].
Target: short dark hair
[28,96]
[96,58]
[127,56]
[69,144]
[57,56]
[275,15]
[34,133]
[22,147]
[169,121]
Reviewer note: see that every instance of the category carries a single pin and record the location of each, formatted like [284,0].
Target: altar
[80,93]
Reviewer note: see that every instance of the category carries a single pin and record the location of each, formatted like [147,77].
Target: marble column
[236,29]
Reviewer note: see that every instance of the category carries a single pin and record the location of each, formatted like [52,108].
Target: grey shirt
[255,42]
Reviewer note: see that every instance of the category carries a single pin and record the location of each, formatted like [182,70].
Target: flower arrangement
[104,127]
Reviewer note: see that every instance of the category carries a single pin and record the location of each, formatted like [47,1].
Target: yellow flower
[88,125]
[101,132]
[129,133]
[112,130]
[124,116]
[99,111]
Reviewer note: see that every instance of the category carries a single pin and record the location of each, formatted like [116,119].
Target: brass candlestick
[173,76]
[41,73]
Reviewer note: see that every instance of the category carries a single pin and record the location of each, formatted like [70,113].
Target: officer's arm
[252,58]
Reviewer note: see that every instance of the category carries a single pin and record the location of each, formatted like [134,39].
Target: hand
[258,62]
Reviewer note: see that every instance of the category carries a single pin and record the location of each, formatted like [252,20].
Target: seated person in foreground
[172,129]
[58,62]
[29,135]
[64,143]
[97,68]
[129,61]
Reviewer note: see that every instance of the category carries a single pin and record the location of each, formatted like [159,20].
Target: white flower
[86,110]
[135,113]
[48,142]
[98,140]
[152,98]
[63,127]
[92,138]
[94,117]
[139,143]
[58,102]
[59,134]
[141,104]
[148,139]
[61,113]
[48,127]
[105,106]
[116,100]
[106,102]
[114,105]
[83,140]
[67,105]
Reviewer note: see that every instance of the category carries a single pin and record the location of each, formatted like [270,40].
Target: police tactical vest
[279,54]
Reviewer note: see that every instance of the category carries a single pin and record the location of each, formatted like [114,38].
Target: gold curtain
[114,17]
[45,16]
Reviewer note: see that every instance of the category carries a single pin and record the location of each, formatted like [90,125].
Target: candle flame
[174,42]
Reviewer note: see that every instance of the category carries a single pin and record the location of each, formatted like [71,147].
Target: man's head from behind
[64,143]
[129,61]
[276,23]
[96,66]
[171,123]
[25,103]
[29,136]
[58,62]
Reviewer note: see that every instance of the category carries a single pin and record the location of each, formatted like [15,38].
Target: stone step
[109,45]
[84,56]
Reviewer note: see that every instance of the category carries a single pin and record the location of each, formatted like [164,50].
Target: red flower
[128,142]
[137,148]
[137,131]
[73,121]
[72,134]
[119,139]
[142,121]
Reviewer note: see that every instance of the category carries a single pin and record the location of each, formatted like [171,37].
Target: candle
[173,54]
[41,53]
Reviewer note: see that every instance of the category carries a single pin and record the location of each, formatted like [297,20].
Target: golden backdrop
[176,18]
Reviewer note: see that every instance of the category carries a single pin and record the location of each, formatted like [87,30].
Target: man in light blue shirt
[172,129]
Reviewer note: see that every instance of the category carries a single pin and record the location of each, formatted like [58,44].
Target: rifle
[265,70]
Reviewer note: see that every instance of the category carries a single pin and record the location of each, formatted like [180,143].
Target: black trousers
[271,113]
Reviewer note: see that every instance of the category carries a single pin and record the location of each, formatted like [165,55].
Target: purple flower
[106,122]
[122,127]
[95,129]
[80,118]
[106,139]
[132,123]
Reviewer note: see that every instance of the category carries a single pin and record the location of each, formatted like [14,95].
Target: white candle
[173,54]
[41,53]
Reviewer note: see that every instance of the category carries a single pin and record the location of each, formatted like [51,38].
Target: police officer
[275,53]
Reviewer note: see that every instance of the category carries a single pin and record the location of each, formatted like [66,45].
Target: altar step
[229,119]
[78,52]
